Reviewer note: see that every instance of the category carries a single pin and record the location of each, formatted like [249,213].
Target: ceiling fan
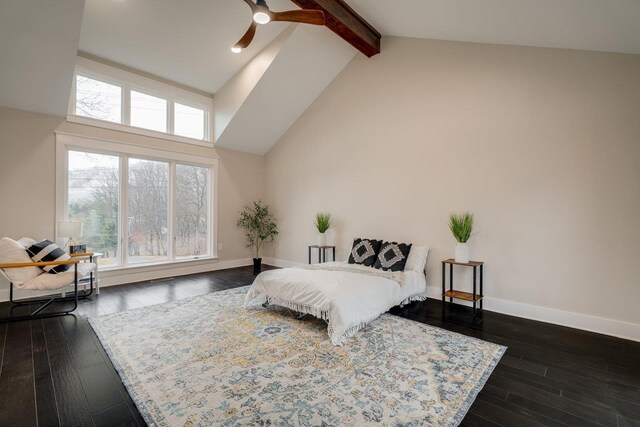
[262,15]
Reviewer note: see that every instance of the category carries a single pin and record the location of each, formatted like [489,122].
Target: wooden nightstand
[473,297]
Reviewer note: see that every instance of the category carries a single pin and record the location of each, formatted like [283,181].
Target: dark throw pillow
[392,256]
[364,252]
[48,251]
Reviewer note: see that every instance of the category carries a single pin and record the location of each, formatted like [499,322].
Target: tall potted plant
[461,226]
[261,227]
[323,224]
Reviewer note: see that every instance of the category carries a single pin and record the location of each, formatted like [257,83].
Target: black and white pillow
[47,251]
[364,252]
[392,256]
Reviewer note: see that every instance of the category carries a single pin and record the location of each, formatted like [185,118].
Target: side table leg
[474,290]
[443,281]
[481,287]
[451,281]
[309,254]
[334,254]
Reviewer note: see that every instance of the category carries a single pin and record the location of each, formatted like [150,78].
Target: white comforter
[347,300]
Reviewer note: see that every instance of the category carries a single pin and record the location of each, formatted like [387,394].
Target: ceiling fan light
[236,49]
[261,18]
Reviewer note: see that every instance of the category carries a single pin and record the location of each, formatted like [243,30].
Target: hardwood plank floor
[55,372]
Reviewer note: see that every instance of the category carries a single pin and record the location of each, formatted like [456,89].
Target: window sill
[136,131]
[156,265]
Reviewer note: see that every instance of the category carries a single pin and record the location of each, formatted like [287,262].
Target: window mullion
[170,116]
[124,209]
[172,211]
[126,105]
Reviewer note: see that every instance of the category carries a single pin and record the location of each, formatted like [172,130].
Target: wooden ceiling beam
[346,23]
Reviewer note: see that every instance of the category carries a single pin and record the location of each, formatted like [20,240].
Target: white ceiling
[38,46]
[186,41]
[605,25]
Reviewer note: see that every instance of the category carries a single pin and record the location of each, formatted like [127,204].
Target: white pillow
[417,259]
[12,251]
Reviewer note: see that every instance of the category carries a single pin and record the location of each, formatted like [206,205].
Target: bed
[347,296]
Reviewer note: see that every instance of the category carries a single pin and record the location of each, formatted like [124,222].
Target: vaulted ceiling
[604,25]
[188,42]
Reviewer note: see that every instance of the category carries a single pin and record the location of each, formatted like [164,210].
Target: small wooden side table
[91,257]
[474,297]
[322,252]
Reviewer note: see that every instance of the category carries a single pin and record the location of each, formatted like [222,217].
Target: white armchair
[25,274]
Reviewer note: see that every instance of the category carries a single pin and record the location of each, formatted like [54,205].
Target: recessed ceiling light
[236,49]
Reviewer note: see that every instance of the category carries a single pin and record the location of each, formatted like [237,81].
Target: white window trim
[129,81]
[65,141]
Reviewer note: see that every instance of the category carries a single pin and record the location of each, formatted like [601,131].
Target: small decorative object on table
[260,226]
[473,297]
[323,224]
[77,249]
[461,225]
[71,230]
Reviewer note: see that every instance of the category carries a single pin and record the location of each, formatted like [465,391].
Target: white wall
[542,145]
[27,182]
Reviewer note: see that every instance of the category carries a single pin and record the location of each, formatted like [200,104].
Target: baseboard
[281,262]
[616,328]
[115,278]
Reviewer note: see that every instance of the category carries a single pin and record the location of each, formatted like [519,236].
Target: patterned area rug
[210,361]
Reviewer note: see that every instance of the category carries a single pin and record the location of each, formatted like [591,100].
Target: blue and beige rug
[209,361]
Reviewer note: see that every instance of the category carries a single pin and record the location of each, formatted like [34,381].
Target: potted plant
[323,223]
[260,226]
[461,225]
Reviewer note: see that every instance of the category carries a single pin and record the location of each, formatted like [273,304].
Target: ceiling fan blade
[315,17]
[252,5]
[248,36]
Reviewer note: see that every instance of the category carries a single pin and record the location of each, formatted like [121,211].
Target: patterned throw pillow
[364,251]
[392,256]
[48,251]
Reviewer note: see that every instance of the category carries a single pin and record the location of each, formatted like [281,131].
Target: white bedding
[347,300]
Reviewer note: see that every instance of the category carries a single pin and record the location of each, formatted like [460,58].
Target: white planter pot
[462,253]
[322,239]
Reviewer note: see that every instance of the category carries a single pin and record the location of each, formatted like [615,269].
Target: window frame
[128,81]
[66,142]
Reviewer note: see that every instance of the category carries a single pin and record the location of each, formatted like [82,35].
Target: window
[98,100]
[188,121]
[94,200]
[148,112]
[116,99]
[148,213]
[192,210]
[138,206]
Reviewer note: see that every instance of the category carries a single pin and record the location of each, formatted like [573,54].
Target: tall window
[139,211]
[113,98]
[148,211]
[94,200]
[192,210]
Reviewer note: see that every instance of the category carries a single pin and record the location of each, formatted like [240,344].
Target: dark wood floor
[55,372]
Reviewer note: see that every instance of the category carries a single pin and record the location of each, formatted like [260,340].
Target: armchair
[23,273]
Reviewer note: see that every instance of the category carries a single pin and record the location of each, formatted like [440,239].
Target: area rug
[209,361]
